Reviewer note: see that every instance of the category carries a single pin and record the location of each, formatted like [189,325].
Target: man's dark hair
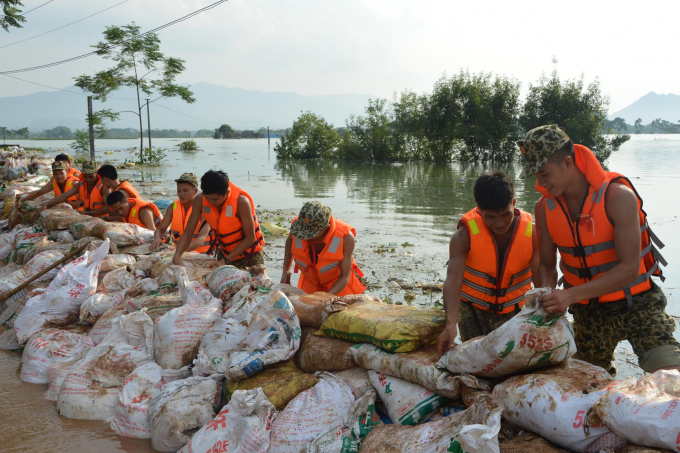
[108,171]
[494,192]
[214,182]
[62,158]
[115,197]
[564,151]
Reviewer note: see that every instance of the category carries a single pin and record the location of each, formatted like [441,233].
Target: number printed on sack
[533,342]
[578,421]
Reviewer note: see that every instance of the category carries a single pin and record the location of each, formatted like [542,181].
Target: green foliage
[153,157]
[407,244]
[373,137]
[188,145]
[98,121]
[638,126]
[660,126]
[224,131]
[136,57]
[11,14]
[581,110]
[82,143]
[203,133]
[13,133]
[311,137]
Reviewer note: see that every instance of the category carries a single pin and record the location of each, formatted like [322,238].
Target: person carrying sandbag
[60,183]
[177,215]
[230,212]
[322,248]
[490,263]
[607,253]
[132,210]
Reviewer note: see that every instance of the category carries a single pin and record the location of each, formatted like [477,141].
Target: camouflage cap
[188,177]
[90,167]
[314,217]
[59,165]
[538,145]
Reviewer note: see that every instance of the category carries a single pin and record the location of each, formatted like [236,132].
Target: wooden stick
[12,292]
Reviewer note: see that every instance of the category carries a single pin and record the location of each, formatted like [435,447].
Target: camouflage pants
[598,329]
[248,261]
[474,322]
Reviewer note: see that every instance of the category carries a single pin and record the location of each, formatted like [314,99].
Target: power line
[184,114]
[79,57]
[63,26]
[23,14]
[61,89]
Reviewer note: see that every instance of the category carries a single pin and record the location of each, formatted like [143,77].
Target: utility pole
[268,141]
[90,125]
[148,122]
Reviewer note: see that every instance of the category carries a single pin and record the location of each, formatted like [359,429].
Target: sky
[373,47]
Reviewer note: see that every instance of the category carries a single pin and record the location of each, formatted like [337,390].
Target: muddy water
[392,206]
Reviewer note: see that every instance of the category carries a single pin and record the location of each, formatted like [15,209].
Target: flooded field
[404,215]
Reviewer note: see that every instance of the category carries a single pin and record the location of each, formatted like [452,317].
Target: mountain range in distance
[241,109]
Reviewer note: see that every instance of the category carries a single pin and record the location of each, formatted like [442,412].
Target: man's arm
[459,246]
[63,197]
[199,241]
[546,272]
[244,212]
[535,254]
[47,188]
[185,240]
[345,265]
[162,228]
[287,260]
[622,209]
[146,217]
[104,209]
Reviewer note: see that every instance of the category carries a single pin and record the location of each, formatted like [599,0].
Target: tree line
[466,117]
[658,126]
[63,132]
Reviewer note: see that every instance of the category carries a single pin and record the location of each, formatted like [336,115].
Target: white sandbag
[180,409]
[474,430]
[142,287]
[222,279]
[62,237]
[27,239]
[117,280]
[97,304]
[419,367]
[132,417]
[33,267]
[356,379]
[124,234]
[532,339]
[260,329]
[178,333]
[324,406]
[560,398]
[643,411]
[101,328]
[6,244]
[90,390]
[51,346]
[407,403]
[113,262]
[347,437]
[56,373]
[242,425]
[60,304]
[9,341]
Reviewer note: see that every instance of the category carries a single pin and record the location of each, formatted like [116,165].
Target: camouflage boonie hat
[188,177]
[90,167]
[314,217]
[538,145]
[59,165]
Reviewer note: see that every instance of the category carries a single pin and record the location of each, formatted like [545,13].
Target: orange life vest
[127,187]
[180,217]
[136,206]
[487,284]
[586,246]
[93,200]
[75,173]
[227,226]
[322,275]
[68,185]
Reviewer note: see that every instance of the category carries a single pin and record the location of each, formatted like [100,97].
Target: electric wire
[37,7]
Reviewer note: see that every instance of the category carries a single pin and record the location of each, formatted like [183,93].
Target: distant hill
[650,107]
[215,105]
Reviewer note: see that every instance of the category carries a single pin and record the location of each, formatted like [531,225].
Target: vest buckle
[585,273]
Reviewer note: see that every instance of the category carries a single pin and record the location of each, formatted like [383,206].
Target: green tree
[224,131]
[311,137]
[579,109]
[133,55]
[58,132]
[11,14]
[82,143]
[13,133]
[638,126]
[619,124]
[202,133]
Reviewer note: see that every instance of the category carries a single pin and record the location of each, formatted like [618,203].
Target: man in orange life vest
[491,256]
[109,178]
[89,190]
[135,211]
[321,247]
[594,218]
[177,215]
[61,182]
[230,212]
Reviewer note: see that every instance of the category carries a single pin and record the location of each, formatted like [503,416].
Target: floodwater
[389,204]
